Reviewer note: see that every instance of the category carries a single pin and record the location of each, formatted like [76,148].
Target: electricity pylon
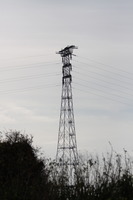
[67,155]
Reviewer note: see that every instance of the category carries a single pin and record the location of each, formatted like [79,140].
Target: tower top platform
[67,50]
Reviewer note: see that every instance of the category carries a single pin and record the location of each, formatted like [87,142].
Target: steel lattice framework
[67,155]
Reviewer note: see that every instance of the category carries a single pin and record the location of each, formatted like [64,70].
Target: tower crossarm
[67,51]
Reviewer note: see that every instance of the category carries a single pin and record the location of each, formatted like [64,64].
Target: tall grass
[106,178]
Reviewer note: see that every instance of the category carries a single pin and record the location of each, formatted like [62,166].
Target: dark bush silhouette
[22,175]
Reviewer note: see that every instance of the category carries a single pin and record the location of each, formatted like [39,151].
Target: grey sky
[30,34]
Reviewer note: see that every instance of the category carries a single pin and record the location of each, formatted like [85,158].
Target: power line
[28,88]
[28,56]
[29,77]
[107,65]
[18,67]
[104,76]
[105,86]
[121,75]
[97,78]
[47,64]
[116,95]
[101,95]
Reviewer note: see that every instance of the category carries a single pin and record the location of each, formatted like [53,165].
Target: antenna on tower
[67,155]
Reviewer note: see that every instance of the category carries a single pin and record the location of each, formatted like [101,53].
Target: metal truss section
[67,155]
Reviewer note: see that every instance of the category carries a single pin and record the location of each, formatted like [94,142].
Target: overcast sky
[31,32]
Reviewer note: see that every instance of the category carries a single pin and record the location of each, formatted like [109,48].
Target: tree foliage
[22,174]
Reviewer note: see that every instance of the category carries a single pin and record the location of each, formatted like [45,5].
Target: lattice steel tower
[67,155]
